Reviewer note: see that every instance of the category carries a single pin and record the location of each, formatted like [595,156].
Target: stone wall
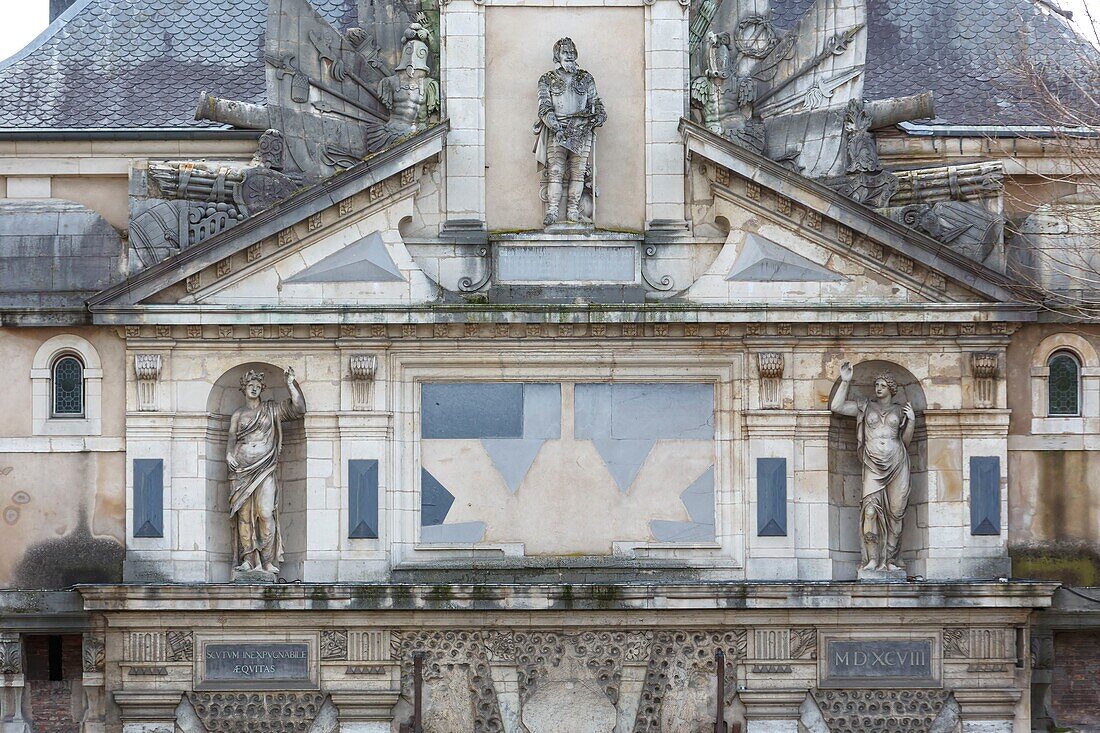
[1054,493]
[61,480]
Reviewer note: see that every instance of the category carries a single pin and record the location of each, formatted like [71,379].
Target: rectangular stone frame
[578,364]
[932,634]
[204,638]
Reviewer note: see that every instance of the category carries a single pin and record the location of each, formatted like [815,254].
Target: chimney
[57,7]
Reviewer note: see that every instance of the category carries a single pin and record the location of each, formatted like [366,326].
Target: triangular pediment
[793,240]
[336,241]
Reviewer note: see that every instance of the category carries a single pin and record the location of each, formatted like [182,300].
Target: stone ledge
[559,597]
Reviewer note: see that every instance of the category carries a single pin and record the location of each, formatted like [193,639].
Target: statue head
[414,54]
[565,54]
[884,383]
[252,383]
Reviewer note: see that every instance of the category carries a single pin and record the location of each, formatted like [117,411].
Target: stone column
[365,711]
[148,712]
[14,712]
[463,76]
[666,80]
[988,710]
[93,716]
[772,711]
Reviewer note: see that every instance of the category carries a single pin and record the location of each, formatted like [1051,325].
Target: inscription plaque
[879,662]
[256,664]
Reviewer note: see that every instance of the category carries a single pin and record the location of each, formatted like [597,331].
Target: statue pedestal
[881,576]
[253,576]
[570,227]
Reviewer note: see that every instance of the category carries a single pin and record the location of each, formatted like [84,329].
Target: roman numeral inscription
[850,661]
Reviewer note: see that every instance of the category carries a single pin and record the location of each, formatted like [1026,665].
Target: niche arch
[846,474]
[225,397]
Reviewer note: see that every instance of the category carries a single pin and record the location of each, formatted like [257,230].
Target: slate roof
[970,54]
[143,63]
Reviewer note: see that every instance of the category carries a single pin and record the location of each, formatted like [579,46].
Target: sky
[23,20]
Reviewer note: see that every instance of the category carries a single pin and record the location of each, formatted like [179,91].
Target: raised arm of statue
[840,404]
[295,406]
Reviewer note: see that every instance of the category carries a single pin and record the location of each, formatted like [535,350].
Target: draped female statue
[252,455]
[884,430]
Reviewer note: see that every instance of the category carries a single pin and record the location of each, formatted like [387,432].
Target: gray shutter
[985,495]
[148,497]
[363,499]
[771,497]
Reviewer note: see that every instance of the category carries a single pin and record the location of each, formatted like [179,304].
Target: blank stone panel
[458,411]
[148,497]
[771,497]
[985,495]
[638,411]
[473,410]
[363,499]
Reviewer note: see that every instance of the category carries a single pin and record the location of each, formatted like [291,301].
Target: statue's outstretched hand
[908,411]
[846,372]
[289,374]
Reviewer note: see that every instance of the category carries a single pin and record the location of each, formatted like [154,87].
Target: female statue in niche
[252,455]
[884,430]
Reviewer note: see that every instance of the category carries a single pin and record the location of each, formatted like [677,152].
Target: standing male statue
[884,430]
[570,110]
[252,454]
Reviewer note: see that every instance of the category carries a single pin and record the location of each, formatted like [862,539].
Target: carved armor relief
[661,679]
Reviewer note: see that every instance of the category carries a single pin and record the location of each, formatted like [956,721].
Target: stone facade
[583,475]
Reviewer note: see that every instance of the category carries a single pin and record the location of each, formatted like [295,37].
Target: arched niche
[846,474]
[224,399]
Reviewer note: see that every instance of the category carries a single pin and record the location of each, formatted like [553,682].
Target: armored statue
[252,456]
[410,94]
[884,430]
[570,110]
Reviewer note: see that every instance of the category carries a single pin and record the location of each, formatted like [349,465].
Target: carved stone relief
[671,676]
[93,654]
[243,712]
[181,646]
[338,97]
[889,711]
[11,655]
[334,644]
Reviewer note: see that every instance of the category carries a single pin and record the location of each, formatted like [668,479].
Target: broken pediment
[794,240]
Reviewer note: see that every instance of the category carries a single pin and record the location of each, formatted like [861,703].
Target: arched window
[1063,385]
[68,387]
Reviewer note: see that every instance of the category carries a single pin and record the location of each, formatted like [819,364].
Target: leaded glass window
[1063,385]
[68,387]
